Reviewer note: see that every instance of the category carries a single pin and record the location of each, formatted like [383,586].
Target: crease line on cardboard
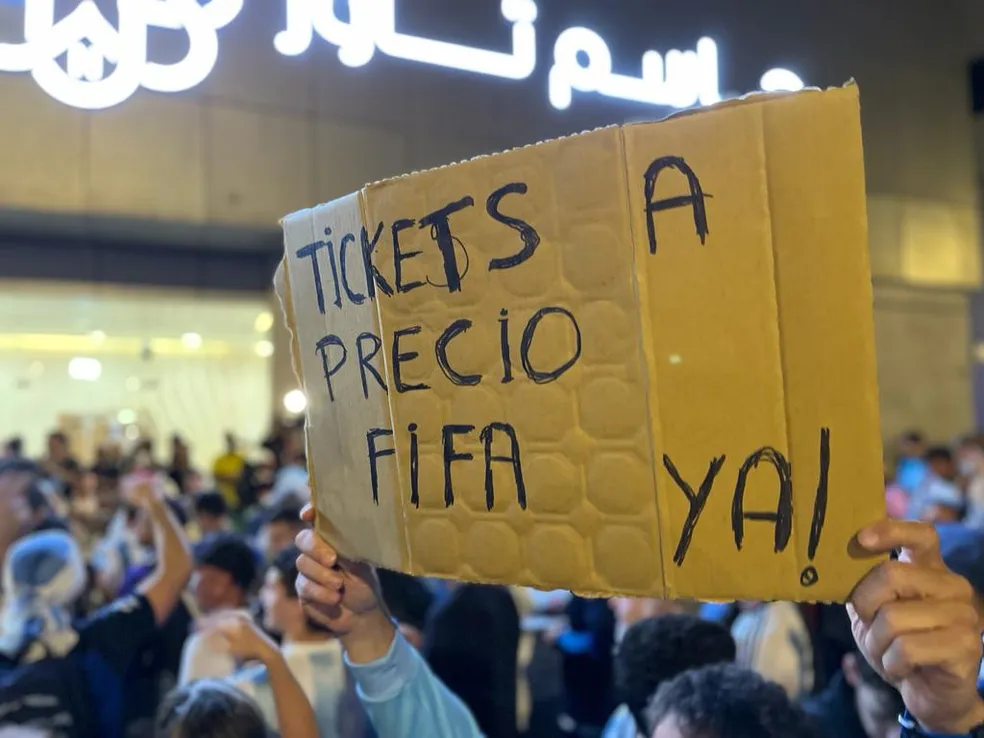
[763,142]
[646,349]
[402,522]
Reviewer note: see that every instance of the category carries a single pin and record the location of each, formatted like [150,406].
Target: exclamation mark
[809,577]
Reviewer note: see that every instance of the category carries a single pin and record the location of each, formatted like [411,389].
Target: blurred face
[210,523]
[277,537]
[943,468]
[212,588]
[56,447]
[279,610]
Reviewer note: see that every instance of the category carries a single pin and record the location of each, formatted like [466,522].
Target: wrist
[960,725]
[370,637]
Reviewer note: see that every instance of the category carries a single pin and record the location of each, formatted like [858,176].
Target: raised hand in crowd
[917,625]
[246,642]
[400,693]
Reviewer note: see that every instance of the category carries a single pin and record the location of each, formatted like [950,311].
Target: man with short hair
[211,513]
[312,653]
[280,527]
[724,701]
[225,569]
[655,650]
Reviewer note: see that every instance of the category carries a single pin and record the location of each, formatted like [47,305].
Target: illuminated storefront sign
[104,65]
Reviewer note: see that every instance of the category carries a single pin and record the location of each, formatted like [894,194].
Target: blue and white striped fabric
[318,668]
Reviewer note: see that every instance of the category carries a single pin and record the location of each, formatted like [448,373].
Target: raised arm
[295,717]
[163,588]
[400,693]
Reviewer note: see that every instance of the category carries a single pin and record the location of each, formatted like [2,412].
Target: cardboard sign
[639,360]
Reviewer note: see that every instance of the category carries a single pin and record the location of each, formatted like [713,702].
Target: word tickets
[638,360]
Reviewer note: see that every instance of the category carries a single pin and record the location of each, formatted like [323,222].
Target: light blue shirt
[405,700]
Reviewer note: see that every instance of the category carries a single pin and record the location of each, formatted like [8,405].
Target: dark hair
[211,503]
[656,649]
[939,453]
[728,701]
[58,436]
[285,564]
[209,708]
[15,445]
[285,513]
[230,553]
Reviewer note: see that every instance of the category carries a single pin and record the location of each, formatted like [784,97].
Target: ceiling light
[295,402]
[263,322]
[263,349]
[98,337]
[84,369]
[191,341]
[131,432]
[126,416]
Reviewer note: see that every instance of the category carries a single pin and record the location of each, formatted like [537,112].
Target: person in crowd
[586,645]
[970,464]
[312,653]
[773,640]
[291,480]
[911,467]
[227,470]
[210,708]
[225,570]
[725,701]
[180,467]
[655,650]
[13,448]
[279,528]
[60,466]
[856,702]
[211,513]
[937,495]
[60,676]
[471,642]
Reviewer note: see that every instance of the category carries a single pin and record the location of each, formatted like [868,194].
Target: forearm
[173,553]
[371,640]
[404,698]
[295,717]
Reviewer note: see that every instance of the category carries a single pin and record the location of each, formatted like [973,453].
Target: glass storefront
[111,363]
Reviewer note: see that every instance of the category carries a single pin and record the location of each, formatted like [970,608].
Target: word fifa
[104,65]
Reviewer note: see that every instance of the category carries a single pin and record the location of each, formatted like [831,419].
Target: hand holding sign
[916,623]
[343,596]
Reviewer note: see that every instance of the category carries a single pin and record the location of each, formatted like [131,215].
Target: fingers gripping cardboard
[638,360]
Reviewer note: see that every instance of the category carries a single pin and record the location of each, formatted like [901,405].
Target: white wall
[199,398]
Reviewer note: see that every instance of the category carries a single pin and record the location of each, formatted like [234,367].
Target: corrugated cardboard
[638,360]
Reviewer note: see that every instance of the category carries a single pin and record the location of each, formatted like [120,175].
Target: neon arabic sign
[90,44]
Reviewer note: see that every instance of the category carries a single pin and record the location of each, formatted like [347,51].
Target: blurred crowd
[147,597]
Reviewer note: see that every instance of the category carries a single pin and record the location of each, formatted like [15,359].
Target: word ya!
[91,45]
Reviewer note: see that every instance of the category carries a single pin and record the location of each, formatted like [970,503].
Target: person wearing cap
[225,570]
[71,678]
